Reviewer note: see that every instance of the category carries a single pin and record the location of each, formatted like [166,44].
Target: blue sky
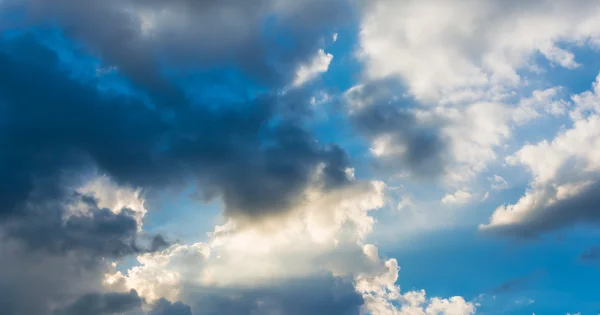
[384,157]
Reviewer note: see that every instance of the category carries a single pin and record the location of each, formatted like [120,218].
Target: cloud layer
[108,108]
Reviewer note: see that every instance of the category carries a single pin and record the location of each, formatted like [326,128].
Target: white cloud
[110,195]
[457,198]
[443,49]
[498,182]
[383,297]
[326,234]
[463,61]
[308,72]
[485,196]
[547,101]
[324,230]
[564,171]
[405,203]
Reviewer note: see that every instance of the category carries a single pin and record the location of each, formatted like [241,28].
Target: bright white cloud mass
[440,130]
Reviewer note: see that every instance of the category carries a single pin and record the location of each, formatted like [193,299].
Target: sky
[292,157]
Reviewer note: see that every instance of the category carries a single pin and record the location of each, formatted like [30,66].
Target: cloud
[165,307]
[101,233]
[35,282]
[137,36]
[256,169]
[310,71]
[459,197]
[462,77]
[450,144]
[565,177]
[313,295]
[324,231]
[313,260]
[449,50]
[399,140]
[91,139]
[121,303]
[73,182]
[383,296]
[103,304]
[498,182]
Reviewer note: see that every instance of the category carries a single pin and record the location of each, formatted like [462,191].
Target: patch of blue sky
[221,86]
[331,124]
[574,80]
[182,216]
[345,68]
[468,264]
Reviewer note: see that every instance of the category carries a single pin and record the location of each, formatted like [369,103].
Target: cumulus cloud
[314,261]
[565,177]
[85,151]
[449,50]
[324,231]
[383,296]
[451,144]
[463,67]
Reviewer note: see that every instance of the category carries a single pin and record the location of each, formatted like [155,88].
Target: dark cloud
[417,147]
[98,232]
[33,282]
[103,304]
[59,129]
[236,151]
[165,307]
[318,295]
[264,39]
[580,209]
[121,303]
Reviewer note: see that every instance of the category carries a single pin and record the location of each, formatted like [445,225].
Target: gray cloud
[33,282]
[97,233]
[580,209]
[103,304]
[202,34]
[120,303]
[377,112]
[232,151]
[165,307]
[319,295]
